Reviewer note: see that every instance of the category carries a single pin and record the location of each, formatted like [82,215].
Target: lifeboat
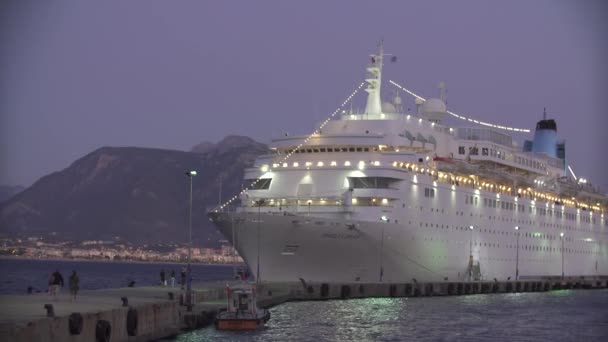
[242,312]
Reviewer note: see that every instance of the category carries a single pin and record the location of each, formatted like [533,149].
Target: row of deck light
[361,164]
[489,186]
[524,130]
[316,132]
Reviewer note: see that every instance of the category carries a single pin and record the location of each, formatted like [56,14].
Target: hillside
[132,194]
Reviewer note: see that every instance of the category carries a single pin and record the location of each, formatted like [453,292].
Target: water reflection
[566,315]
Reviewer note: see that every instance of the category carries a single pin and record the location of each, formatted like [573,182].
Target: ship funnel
[545,136]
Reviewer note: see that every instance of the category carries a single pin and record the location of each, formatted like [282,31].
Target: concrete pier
[146,313]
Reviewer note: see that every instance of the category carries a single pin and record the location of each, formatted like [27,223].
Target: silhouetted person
[74,282]
[55,282]
[172,278]
[163,281]
[183,276]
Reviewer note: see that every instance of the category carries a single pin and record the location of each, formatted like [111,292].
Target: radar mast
[374,80]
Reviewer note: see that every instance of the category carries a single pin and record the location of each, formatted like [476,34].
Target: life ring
[103,331]
[132,322]
[75,323]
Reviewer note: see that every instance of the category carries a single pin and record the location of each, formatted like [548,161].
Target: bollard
[125,301]
[50,312]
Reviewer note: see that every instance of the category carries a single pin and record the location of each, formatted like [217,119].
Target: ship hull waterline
[291,248]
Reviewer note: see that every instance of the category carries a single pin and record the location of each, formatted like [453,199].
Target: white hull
[325,250]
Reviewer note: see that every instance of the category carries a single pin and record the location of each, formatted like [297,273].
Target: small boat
[242,312]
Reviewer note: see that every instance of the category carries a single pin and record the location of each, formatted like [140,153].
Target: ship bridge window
[460,149]
[371,182]
[484,151]
[262,184]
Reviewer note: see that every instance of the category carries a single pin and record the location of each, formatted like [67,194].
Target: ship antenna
[544,113]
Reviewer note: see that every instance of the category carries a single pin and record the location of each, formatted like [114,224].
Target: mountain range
[132,194]
[8,191]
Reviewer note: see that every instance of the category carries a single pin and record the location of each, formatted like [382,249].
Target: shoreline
[4,257]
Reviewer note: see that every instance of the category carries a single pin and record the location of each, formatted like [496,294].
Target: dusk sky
[79,75]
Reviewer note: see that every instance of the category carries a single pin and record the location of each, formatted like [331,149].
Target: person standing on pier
[183,276]
[56,280]
[74,282]
[163,281]
[172,278]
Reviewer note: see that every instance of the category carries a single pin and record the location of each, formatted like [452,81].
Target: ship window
[316,150]
[366,149]
[484,151]
[473,151]
[460,149]
[351,149]
[309,150]
[329,149]
[359,149]
[371,182]
[262,184]
[322,149]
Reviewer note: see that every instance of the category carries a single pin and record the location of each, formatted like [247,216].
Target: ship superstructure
[388,195]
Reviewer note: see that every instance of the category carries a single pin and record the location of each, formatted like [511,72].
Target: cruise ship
[385,195]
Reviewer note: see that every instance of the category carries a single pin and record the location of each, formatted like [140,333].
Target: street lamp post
[471,254]
[190,175]
[517,255]
[561,236]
